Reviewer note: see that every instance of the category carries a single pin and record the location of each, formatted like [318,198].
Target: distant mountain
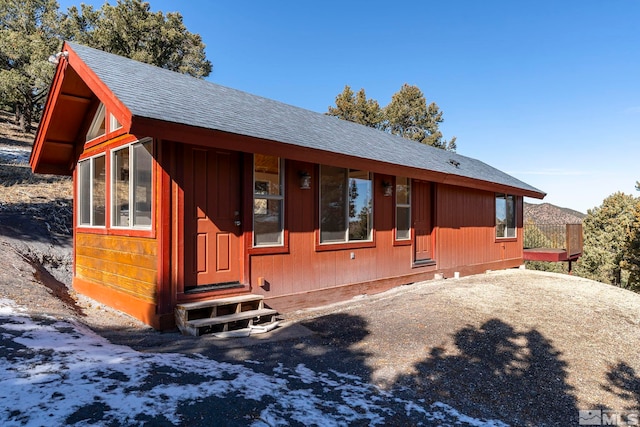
[546,213]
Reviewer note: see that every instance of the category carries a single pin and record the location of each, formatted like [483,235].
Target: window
[505,216]
[114,124]
[268,200]
[97,127]
[346,205]
[131,186]
[91,192]
[403,208]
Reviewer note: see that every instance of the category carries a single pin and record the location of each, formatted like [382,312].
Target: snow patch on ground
[56,373]
[14,155]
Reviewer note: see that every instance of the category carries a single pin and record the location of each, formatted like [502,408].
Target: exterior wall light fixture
[54,59]
[305,180]
[387,189]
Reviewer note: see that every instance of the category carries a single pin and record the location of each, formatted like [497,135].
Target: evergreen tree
[631,256]
[357,108]
[409,116]
[606,236]
[28,31]
[353,196]
[130,29]
[32,30]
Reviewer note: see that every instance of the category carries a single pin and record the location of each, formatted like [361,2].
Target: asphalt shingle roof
[155,93]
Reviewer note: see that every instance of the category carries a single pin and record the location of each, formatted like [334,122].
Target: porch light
[305,180]
[54,59]
[387,189]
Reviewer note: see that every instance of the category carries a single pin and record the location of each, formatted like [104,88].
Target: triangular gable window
[98,126]
[114,124]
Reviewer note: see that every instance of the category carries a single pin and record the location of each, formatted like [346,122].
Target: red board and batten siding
[466,238]
[303,273]
[307,268]
[142,272]
[464,242]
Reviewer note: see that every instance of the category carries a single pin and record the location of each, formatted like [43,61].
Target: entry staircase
[225,317]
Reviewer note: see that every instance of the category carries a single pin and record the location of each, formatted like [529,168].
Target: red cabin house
[187,191]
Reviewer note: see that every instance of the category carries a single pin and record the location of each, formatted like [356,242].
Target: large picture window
[131,185]
[268,201]
[91,192]
[403,208]
[505,216]
[346,205]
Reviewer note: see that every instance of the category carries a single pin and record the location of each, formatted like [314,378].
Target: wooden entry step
[223,315]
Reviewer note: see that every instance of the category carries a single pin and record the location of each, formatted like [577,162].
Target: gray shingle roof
[155,93]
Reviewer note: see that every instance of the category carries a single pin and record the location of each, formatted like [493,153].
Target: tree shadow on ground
[48,222]
[313,366]
[498,372]
[339,332]
[624,382]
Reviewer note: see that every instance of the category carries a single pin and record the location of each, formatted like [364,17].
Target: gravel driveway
[525,347]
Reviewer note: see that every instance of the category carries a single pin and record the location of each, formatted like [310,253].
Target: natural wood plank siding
[126,264]
[119,257]
[141,290]
[130,271]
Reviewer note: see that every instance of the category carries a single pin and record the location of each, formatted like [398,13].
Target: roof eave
[148,127]
[56,155]
[52,97]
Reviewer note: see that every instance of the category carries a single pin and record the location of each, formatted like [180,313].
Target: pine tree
[357,108]
[33,30]
[407,115]
[631,256]
[130,29]
[28,36]
[606,238]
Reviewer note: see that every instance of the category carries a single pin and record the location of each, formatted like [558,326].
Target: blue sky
[548,91]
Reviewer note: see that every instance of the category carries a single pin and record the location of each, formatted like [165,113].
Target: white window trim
[91,161]
[404,205]
[114,123]
[132,186]
[515,214]
[96,123]
[269,197]
[346,240]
